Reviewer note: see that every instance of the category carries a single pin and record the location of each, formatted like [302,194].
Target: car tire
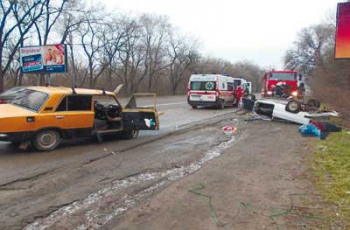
[194,106]
[314,103]
[131,134]
[46,140]
[293,106]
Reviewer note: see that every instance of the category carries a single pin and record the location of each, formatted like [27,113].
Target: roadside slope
[257,184]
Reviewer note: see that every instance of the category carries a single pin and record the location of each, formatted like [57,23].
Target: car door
[140,112]
[74,112]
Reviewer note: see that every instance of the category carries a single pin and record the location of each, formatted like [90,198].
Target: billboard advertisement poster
[45,59]
[342,38]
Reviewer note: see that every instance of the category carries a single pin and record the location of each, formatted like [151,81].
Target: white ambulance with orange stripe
[215,90]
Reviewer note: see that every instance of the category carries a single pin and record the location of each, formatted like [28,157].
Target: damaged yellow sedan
[43,116]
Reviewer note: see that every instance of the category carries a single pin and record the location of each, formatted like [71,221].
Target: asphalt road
[36,186]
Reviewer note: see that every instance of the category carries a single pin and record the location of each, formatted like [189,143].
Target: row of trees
[145,52]
[313,54]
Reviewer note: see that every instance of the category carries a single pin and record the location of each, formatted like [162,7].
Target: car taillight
[2,101]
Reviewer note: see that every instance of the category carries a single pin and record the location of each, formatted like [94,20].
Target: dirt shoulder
[258,183]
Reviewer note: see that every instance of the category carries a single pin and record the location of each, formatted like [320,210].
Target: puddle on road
[93,206]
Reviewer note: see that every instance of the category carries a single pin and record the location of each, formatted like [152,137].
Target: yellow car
[44,116]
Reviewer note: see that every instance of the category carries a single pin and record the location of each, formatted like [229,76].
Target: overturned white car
[291,110]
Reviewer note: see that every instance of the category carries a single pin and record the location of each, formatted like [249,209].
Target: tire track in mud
[148,187]
[100,207]
[6,186]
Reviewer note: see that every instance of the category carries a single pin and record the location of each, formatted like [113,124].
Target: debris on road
[248,104]
[319,129]
[229,130]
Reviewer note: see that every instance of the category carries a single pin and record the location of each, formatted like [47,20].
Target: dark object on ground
[326,126]
[318,129]
[248,103]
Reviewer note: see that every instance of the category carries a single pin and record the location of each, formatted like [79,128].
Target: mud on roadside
[255,179]
[260,182]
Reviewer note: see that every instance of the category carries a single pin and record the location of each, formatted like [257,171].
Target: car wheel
[293,106]
[131,134]
[194,106]
[47,140]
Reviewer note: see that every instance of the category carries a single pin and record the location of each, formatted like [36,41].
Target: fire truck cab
[215,90]
[279,82]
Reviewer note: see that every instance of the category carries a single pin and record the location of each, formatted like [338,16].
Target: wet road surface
[34,184]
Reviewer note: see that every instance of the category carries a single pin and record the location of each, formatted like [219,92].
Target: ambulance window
[196,85]
[203,85]
[230,86]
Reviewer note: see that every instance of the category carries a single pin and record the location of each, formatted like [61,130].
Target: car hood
[9,110]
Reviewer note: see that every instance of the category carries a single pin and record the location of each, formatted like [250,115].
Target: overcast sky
[235,30]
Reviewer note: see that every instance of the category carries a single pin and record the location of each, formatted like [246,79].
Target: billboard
[46,59]
[342,38]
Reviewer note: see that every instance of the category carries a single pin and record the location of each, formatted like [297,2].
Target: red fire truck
[282,83]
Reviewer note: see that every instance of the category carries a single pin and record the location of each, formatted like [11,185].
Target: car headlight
[294,93]
[269,93]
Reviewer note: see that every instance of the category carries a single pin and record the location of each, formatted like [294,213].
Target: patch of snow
[94,219]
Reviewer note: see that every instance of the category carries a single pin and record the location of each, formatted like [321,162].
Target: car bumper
[203,103]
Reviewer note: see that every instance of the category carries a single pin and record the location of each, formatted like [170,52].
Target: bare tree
[154,32]
[182,57]
[15,14]
[131,57]
[93,46]
[309,48]
[114,37]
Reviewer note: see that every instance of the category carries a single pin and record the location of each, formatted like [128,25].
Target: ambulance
[211,90]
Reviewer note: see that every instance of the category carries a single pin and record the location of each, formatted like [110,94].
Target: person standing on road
[238,94]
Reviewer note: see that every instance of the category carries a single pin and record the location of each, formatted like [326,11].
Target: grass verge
[331,166]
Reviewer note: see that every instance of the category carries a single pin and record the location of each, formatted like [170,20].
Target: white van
[246,85]
[210,90]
